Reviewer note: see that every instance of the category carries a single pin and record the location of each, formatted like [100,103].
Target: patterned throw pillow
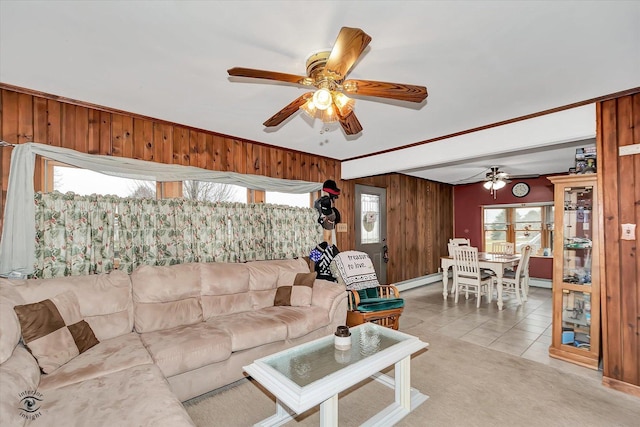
[327,253]
[54,330]
[294,288]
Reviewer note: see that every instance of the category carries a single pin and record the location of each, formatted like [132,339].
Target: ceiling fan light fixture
[499,184]
[343,103]
[309,108]
[322,99]
[495,184]
[495,180]
[328,115]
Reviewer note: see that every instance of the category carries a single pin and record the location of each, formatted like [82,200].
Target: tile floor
[523,330]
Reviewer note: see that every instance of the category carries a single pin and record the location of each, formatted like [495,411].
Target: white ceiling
[483,62]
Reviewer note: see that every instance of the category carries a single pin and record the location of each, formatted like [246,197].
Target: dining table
[487,260]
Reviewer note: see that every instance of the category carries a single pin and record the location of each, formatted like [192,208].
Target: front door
[371,226]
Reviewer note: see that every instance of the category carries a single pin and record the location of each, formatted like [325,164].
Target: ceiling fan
[326,72]
[495,180]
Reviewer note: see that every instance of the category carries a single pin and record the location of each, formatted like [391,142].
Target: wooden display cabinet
[576,284]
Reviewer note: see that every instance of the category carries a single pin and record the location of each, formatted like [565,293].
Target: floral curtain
[87,234]
[74,234]
[290,230]
[16,250]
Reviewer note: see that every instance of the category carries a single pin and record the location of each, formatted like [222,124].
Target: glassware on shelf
[577,237]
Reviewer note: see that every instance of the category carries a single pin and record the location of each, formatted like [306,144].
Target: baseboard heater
[437,278]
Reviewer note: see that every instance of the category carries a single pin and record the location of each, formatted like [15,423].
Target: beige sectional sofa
[166,334]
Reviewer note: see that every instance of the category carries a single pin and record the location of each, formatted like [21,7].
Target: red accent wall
[467,210]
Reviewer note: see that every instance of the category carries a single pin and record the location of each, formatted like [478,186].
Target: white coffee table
[315,372]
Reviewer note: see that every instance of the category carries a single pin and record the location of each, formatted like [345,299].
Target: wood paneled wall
[419,222]
[26,116]
[420,212]
[619,181]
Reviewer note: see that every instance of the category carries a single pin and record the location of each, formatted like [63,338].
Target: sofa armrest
[326,294]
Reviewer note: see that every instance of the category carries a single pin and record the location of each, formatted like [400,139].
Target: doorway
[371,226]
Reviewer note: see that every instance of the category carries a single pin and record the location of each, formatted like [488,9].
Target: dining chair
[457,241]
[468,276]
[517,282]
[503,248]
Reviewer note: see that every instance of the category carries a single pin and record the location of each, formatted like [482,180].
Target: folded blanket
[354,270]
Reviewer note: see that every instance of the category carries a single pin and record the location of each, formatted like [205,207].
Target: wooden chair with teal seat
[368,300]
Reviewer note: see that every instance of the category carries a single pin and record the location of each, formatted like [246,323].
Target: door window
[370,221]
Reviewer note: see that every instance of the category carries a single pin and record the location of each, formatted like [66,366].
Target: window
[298,200]
[370,227]
[528,227]
[495,227]
[65,178]
[213,192]
[521,225]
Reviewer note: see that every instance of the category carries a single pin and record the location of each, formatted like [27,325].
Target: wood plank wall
[420,212]
[41,118]
[419,222]
[619,125]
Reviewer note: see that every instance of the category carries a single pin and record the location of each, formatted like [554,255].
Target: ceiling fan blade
[287,111]
[399,91]
[268,75]
[350,124]
[349,45]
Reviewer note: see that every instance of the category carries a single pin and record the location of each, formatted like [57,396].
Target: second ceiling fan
[326,72]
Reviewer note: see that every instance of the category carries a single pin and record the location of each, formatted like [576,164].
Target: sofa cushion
[251,329]
[224,289]
[368,293]
[294,289]
[299,320]
[137,396]
[54,331]
[19,378]
[158,290]
[186,348]
[10,330]
[379,304]
[105,299]
[109,356]
[264,275]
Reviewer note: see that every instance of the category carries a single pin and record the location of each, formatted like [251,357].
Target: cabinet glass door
[578,232]
[576,319]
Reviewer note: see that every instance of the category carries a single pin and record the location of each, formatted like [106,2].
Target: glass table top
[317,359]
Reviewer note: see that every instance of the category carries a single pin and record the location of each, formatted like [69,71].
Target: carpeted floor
[468,385]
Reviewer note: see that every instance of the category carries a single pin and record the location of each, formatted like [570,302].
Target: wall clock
[520,189]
